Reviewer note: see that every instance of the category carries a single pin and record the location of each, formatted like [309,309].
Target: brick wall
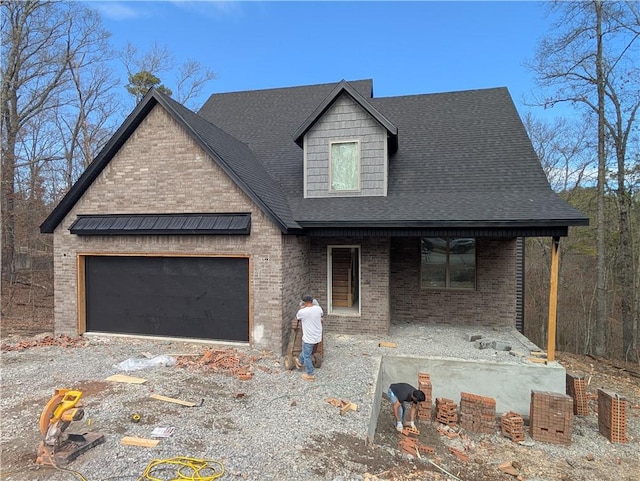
[492,303]
[160,169]
[296,280]
[374,285]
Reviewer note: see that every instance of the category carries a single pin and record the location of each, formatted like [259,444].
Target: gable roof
[232,155]
[464,160]
[343,87]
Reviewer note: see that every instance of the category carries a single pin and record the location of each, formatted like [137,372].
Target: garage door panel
[203,297]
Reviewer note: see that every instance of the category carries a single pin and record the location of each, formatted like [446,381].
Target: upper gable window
[345,166]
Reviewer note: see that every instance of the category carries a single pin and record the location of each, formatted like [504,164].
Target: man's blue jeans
[305,357]
[392,397]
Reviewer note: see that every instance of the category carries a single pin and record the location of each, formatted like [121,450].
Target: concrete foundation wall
[509,384]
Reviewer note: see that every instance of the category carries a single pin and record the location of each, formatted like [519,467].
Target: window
[345,166]
[448,263]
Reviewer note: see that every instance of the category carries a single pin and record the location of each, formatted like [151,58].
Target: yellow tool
[57,447]
[58,414]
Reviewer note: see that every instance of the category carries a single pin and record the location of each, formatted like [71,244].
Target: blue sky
[405,47]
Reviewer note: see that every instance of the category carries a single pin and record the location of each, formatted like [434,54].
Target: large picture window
[345,166]
[448,263]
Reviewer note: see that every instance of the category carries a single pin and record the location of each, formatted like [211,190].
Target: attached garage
[191,297]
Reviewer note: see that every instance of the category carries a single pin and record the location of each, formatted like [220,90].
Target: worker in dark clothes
[400,394]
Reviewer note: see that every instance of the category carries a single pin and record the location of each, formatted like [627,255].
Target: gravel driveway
[275,426]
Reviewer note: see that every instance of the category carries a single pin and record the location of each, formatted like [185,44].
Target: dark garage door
[197,297]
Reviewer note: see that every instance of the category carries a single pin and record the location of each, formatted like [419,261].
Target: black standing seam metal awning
[162,224]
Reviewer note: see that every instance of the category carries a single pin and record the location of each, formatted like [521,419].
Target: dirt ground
[525,461]
[487,453]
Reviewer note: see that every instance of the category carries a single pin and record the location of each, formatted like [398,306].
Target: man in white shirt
[311,318]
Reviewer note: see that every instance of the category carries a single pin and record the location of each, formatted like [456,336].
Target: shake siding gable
[345,120]
[161,169]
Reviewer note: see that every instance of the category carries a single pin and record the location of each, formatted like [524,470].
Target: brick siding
[374,285]
[160,169]
[492,303]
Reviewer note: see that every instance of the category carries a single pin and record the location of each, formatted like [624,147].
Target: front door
[344,278]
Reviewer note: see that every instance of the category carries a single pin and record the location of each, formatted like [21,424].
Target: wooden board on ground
[348,407]
[142,442]
[127,379]
[538,360]
[173,400]
[387,344]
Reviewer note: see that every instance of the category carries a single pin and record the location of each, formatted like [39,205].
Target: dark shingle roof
[463,159]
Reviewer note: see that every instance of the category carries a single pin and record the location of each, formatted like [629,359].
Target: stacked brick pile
[577,389]
[477,413]
[512,426]
[409,443]
[424,385]
[551,417]
[446,411]
[612,416]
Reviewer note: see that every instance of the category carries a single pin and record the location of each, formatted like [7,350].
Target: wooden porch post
[553,298]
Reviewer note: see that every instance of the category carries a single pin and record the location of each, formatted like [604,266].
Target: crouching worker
[400,394]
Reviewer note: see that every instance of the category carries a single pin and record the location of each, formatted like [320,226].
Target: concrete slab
[456,365]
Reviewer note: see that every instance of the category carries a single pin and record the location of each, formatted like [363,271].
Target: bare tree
[143,72]
[58,106]
[591,61]
[565,151]
[35,51]
[85,119]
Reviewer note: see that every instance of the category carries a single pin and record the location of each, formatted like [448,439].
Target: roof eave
[453,224]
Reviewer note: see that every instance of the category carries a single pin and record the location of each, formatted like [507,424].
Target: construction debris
[142,442]
[459,453]
[61,340]
[508,468]
[446,411]
[343,405]
[228,361]
[512,426]
[173,400]
[387,344]
[126,379]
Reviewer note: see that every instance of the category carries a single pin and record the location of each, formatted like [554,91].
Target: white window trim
[346,141]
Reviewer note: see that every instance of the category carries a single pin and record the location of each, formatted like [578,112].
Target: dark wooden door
[342,277]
